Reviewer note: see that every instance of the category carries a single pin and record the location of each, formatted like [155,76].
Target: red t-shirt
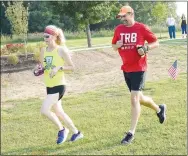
[132,36]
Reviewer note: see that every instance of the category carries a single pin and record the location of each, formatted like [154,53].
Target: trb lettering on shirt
[128,37]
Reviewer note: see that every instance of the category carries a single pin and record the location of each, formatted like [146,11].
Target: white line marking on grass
[108,46]
[98,45]
[91,48]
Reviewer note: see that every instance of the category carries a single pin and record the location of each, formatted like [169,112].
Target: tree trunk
[25,44]
[88,32]
[160,32]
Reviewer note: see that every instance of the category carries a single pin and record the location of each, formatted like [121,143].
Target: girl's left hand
[54,72]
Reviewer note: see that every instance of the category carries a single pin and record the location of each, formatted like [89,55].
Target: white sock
[131,132]
[159,110]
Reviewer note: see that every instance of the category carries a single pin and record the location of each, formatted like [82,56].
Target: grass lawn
[96,41]
[103,116]
[82,43]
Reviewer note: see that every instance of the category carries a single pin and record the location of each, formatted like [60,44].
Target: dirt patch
[94,70]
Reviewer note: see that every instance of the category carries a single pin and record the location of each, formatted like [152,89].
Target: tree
[171,8]
[160,13]
[40,15]
[5,24]
[17,14]
[84,13]
[142,10]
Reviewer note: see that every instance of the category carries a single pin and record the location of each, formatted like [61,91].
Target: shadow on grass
[147,89]
[36,150]
[68,147]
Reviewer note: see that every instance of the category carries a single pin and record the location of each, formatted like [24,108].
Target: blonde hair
[55,31]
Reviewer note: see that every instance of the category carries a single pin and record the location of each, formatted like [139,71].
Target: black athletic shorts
[57,89]
[134,80]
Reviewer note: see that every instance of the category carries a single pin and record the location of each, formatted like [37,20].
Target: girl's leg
[50,100]
[174,31]
[64,117]
[185,29]
[182,29]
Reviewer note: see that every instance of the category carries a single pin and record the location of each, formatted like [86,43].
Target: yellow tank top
[53,59]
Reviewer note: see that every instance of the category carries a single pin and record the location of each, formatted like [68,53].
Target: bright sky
[181,8]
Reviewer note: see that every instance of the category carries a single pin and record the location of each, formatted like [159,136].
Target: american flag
[173,70]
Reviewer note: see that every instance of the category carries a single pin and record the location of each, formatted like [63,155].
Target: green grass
[103,116]
[175,41]
[78,43]
[73,41]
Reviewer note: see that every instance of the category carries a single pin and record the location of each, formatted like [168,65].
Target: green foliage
[148,12]
[171,8]
[5,24]
[36,55]
[4,51]
[40,45]
[41,15]
[158,29]
[84,12]
[37,37]
[13,59]
[159,12]
[142,10]
[18,17]
[31,48]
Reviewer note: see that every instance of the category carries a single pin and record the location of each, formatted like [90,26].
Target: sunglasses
[123,16]
[46,36]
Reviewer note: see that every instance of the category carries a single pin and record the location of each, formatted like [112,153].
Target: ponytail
[60,37]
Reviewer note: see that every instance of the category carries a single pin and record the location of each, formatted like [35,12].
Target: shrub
[40,45]
[36,55]
[102,33]
[13,59]
[4,51]
[30,49]
[15,48]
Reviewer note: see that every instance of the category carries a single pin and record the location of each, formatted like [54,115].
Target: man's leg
[144,81]
[160,109]
[135,83]
[137,98]
[148,102]
[170,32]
[135,110]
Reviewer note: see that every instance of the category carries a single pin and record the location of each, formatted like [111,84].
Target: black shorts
[134,80]
[57,89]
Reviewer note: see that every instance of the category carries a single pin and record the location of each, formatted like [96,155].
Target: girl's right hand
[38,70]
